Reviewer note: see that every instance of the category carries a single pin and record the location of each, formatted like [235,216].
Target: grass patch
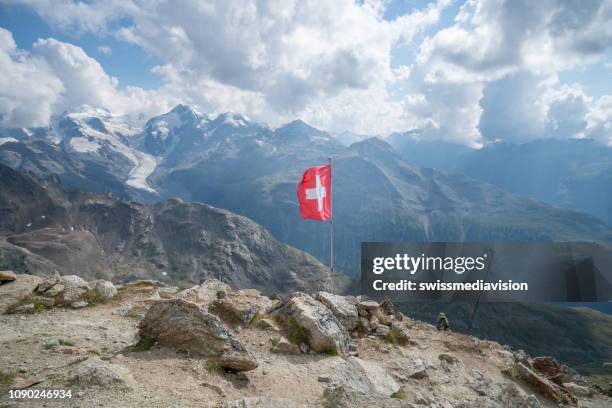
[93,297]
[105,358]
[77,361]
[63,342]
[213,366]
[397,395]
[6,378]
[257,318]
[392,337]
[296,333]
[143,345]
[275,340]
[38,306]
[331,352]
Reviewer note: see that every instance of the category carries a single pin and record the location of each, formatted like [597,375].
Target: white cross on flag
[314,193]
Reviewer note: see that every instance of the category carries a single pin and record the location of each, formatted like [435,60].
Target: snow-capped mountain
[249,168]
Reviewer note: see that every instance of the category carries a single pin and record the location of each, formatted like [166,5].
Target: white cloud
[105,49]
[29,91]
[492,73]
[282,59]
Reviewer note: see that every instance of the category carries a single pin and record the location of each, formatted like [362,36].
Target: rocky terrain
[44,229]
[148,344]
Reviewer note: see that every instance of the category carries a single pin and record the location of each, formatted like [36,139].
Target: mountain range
[249,168]
[568,173]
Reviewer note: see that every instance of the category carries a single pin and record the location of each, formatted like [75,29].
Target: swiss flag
[314,193]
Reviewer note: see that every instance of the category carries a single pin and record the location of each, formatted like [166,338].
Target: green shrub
[398,395]
[391,337]
[143,345]
[213,366]
[6,378]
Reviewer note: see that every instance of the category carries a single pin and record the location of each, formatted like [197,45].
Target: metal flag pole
[331,226]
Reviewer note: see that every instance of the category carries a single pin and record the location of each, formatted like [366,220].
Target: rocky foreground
[148,344]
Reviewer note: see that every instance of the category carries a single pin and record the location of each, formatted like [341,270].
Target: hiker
[442,323]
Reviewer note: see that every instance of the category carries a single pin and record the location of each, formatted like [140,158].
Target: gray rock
[204,293]
[54,290]
[262,402]
[74,280]
[45,301]
[47,283]
[239,307]
[325,333]
[578,390]
[267,324]
[285,347]
[368,305]
[343,307]
[104,289]
[70,295]
[185,326]
[324,378]
[79,304]
[94,371]
[366,376]
[14,292]
[344,396]
[27,308]
[418,370]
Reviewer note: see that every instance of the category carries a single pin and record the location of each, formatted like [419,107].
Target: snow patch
[144,168]
[84,145]
[4,140]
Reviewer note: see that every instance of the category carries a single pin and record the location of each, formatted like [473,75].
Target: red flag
[314,193]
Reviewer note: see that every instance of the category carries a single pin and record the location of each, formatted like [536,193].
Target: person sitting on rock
[442,323]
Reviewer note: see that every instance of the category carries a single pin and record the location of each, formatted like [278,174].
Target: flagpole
[331,225]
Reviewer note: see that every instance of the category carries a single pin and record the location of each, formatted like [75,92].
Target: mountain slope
[45,229]
[565,173]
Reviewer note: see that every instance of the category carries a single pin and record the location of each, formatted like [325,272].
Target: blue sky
[130,63]
[370,67]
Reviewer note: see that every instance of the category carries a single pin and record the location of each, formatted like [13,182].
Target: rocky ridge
[210,345]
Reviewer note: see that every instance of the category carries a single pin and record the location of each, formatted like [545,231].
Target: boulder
[511,396]
[307,320]
[185,326]
[7,276]
[103,289]
[284,346]
[71,294]
[74,281]
[552,369]
[15,291]
[47,283]
[204,293]
[267,324]
[366,376]
[542,385]
[239,307]
[94,371]
[54,290]
[343,307]
[368,305]
[578,390]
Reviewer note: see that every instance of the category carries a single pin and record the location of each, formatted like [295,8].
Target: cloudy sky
[467,72]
